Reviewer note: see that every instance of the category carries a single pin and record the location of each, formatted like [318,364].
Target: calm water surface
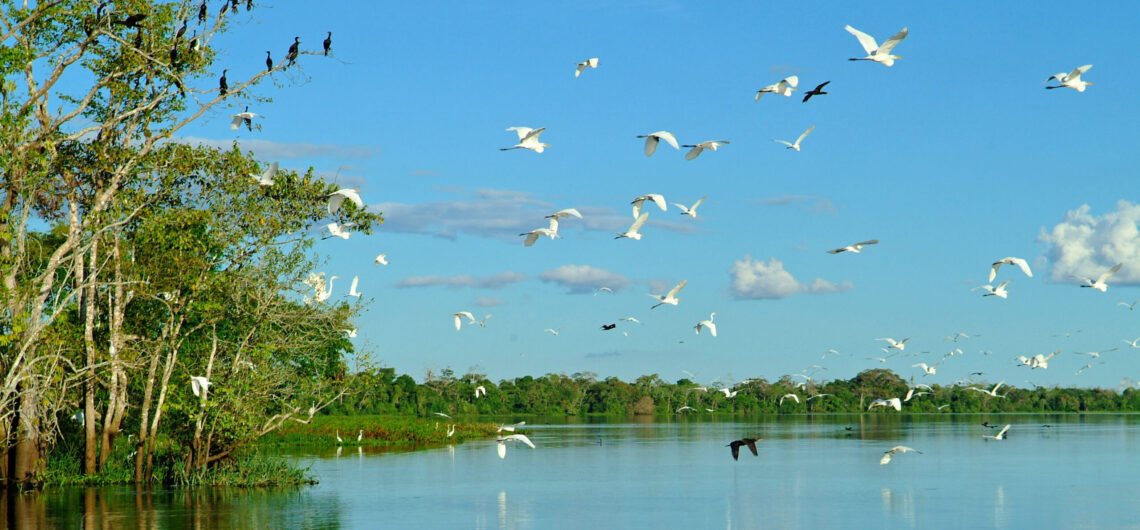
[812,472]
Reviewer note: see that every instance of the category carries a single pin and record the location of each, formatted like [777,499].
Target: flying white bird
[929,369]
[588,63]
[1095,354]
[783,88]
[200,385]
[1037,361]
[999,436]
[706,324]
[533,235]
[999,291]
[670,297]
[603,289]
[352,288]
[562,214]
[336,230]
[910,393]
[265,178]
[382,259]
[510,428]
[630,319]
[442,414]
[875,52]
[991,392]
[796,145]
[900,345]
[244,117]
[480,391]
[651,140]
[512,438]
[1010,261]
[459,323]
[728,394]
[886,459]
[632,232]
[551,331]
[1134,343]
[1099,284]
[792,397]
[855,247]
[684,408]
[482,323]
[337,198]
[528,139]
[1129,306]
[696,150]
[690,211]
[894,403]
[1070,80]
[657,199]
[350,333]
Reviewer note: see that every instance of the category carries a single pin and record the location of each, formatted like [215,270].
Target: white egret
[651,140]
[1072,79]
[792,397]
[451,430]
[795,145]
[350,333]
[1099,284]
[510,428]
[696,150]
[360,436]
[1037,361]
[999,436]
[684,408]
[1024,265]
[894,403]
[783,88]
[875,52]
[588,63]
[603,289]
[528,139]
[482,323]
[337,198]
[352,289]
[929,369]
[336,230]
[855,248]
[999,291]
[480,391]
[690,211]
[325,295]
[900,449]
[533,235]
[1134,343]
[991,392]
[338,439]
[910,393]
[1129,306]
[512,438]
[199,385]
[896,345]
[382,259]
[706,324]
[1095,354]
[442,415]
[632,232]
[657,199]
[670,297]
[552,331]
[458,322]
[562,214]
[728,394]
[244,117]
[265,178]
[817,396]
[630,319]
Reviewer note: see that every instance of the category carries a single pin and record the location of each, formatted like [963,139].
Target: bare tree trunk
[202,453]
[25,460]
[142,451]
[117,399]
[89,304]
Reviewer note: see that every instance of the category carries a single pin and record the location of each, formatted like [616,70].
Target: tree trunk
[202,453]
[25,458]
[89,303]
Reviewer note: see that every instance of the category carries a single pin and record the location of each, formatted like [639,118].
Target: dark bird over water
[608,327]
[291,55]
[817,91]
[328,43]
[750,442]
[268,61]
[223,85]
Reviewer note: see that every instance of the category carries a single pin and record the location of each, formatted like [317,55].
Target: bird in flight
[244,117]
[855,248]
[465,314]
[1099,284]
[633,231]
[1010,261]
[657,199]
[899,345]
[999,436]
[200,385]
[706,324]
[265,178]
[750,443]
[1071,80]
[690,211]
[697,149]
[651,140]
[817,91]
[795,145]
[382,259]
[998,291]
[669,297]
[894,403]
[502,448]
[337,198]
[875,52]
[1037,361]
[528,139]
[588,63]
[783,88]
[899,449]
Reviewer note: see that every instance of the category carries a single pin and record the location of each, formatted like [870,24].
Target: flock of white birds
[529,139]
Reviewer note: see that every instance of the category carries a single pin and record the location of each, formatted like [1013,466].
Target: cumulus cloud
[494,281]
[580,279]
[812,203]
[1086,245]
[759,279]
[276,150]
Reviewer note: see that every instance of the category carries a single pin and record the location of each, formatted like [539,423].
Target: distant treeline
[381,391]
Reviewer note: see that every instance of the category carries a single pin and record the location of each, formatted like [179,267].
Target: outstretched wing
[892,42]
[865,40]
[676,289]
[804,135]
[668,137]
[1105,276]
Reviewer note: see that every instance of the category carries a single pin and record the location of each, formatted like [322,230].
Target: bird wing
[820,86]
[650,145]
[735,450]
[1001,433]
[569,212]
[520,438]
[792,80]
[752,446]
[355,283]
[785,142]
[698,203]
[521,131]
[694,152]
[1003,284]
[892,42]
[1076,73]
[668,137]
[865,40]
[804,135]
[592,62]
[578,71]
[532,135]
[641,219]
[531,237]
[236,122]
[1105,276]
[712,328]
[659,200]
[994,268]
[685,209]
[1024,265]
[676,289]
[502,449]
[869,242]
[886,459]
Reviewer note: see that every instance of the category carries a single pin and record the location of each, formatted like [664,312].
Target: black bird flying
[817,91]
[750,442]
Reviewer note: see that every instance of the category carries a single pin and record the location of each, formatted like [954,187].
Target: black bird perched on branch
[131,21]
[817,91]
[291,55]
[249,5]
[328,43]
[268,61]
[202,12]
[223,85]
[181,30]
[234,6]
[750,442]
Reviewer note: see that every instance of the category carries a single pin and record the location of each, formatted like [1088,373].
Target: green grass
[379,431]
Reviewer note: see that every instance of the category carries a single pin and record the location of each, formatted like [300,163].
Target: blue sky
[953,158]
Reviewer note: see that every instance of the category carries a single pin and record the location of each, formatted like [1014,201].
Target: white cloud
[580,279]
[813,203]
[488,301]
[277,150]
[1087,246]
[494,281]
[758,279]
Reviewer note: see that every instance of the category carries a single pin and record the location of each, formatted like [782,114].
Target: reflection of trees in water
[124,507]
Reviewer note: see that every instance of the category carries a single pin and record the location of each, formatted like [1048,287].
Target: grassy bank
[249,469]
[377,431]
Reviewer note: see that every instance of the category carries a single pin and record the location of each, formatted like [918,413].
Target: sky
[953,158]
